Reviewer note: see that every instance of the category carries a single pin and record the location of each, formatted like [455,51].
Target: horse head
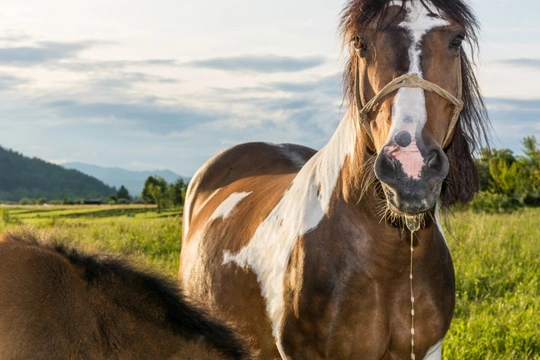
[410,82]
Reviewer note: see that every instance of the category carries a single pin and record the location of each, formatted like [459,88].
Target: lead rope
[413,224]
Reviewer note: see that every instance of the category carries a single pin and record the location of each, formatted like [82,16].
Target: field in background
[496,257]
[137,231]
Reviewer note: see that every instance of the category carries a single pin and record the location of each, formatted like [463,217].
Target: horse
[59,303]
[340,253]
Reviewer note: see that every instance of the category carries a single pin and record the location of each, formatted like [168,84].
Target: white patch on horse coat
[300,210]
[293,156]
[226,207]
[434,352]
[409,106]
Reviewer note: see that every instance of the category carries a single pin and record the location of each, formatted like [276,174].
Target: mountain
[114,176]
[24,177]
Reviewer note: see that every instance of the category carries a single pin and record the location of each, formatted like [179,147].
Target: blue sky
[160,84]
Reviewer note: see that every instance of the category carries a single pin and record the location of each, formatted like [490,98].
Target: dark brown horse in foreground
[339,254]
[56,303]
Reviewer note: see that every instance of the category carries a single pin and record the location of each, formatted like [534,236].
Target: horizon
[167,86]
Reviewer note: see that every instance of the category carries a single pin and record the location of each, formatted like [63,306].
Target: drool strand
[413,224]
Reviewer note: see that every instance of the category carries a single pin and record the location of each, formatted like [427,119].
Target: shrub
[493,203]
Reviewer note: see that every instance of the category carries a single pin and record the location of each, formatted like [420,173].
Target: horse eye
[359,45]
[456,43]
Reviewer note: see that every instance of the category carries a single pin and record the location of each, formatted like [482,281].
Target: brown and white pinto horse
[308,252]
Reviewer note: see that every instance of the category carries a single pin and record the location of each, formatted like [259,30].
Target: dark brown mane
[146,295]
[472,129]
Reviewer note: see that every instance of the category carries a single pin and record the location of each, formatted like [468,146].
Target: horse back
[254,167]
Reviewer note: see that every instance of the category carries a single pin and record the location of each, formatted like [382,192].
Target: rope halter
[410,80]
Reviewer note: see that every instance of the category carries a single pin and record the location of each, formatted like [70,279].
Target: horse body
[58,304]
[287,277]
[308,252]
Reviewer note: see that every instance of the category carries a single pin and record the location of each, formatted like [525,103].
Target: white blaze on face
[409,107]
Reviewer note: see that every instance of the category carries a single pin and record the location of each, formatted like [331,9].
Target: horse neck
[342,167]
[343,174]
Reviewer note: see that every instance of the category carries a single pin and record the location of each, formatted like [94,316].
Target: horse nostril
[388,161]
[437,164]
[432,161]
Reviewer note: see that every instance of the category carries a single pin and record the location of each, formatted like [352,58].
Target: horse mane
[473,126]
[146,295]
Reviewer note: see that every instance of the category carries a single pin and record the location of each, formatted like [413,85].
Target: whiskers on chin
[383,209]
[413,222]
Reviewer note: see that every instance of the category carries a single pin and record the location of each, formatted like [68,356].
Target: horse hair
[164,303]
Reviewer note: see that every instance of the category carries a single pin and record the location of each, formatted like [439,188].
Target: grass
[496,259]
[497,264]
[138,232]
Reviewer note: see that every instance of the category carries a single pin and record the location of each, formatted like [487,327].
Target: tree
[155,191]
[177,191]
[123,193]
[532,151]
[508,181]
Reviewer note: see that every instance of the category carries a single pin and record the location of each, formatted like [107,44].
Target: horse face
[410,126]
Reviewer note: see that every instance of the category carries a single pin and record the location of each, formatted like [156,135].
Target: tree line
[156,191]
[508,181]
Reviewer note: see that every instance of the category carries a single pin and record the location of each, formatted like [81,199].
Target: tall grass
[497,264]
[496,258]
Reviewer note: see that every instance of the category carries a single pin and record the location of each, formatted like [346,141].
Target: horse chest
[342,312]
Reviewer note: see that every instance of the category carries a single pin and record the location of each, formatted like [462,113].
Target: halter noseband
[409,81]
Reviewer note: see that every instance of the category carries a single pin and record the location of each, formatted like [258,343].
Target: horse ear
[462,181]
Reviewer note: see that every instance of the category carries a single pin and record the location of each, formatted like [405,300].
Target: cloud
[330,85]
[8,82]
[260,63]
[512,105]
[531,63]
[144,117]
[96,65]
[512,120]
[14,37]
[126,80]
[41,53]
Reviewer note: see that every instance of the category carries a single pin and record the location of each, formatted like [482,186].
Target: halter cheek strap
[409,81]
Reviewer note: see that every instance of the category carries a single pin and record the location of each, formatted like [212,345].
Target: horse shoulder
[242,162]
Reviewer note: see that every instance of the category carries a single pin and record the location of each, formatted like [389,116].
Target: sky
[163,84]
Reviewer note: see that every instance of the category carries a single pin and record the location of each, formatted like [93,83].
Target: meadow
[496,259]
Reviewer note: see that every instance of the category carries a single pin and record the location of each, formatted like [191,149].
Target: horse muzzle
[411,177]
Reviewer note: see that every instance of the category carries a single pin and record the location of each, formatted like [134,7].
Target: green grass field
[496,257]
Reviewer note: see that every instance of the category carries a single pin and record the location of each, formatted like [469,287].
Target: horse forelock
[473,126]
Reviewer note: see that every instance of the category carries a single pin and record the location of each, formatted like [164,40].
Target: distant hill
[114,176]
[24,177]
